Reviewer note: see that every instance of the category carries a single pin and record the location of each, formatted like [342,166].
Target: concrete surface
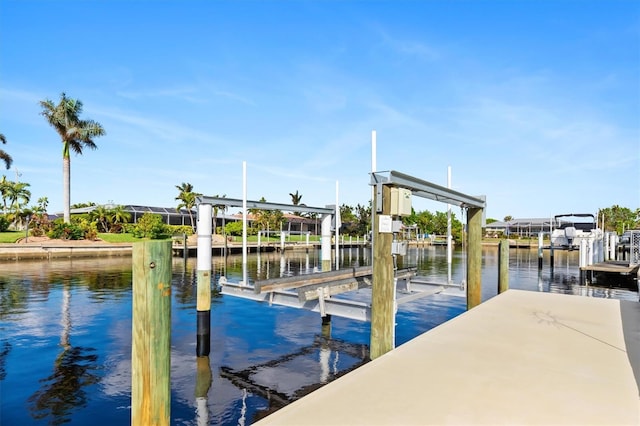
[521,358]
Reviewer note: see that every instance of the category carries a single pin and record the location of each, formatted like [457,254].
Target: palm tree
[215,212]
[101,216]
[119,215]
[295,198]
[43,203]
[18,196]
[3,155]
[4,192]
[76,134]
[187,200]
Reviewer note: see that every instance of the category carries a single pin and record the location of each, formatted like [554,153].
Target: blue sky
[535,104]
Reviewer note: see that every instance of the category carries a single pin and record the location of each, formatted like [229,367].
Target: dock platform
[520,358]
[616,267]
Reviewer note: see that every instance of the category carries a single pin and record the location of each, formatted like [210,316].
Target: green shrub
[39,225]
[65,231]
[4,223]
[233,228]
[151,226]
[180,229]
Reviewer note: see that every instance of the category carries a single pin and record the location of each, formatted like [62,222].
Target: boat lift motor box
[400,201]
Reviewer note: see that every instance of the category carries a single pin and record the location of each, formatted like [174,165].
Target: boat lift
[316,292]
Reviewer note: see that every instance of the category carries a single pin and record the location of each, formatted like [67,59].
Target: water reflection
[293,375]
[65,343]
[64,390]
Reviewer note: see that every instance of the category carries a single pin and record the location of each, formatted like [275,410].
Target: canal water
[65,334]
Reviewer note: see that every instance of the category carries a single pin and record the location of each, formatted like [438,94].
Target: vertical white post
[203,300]
[244,223]
[325,253]
[338,224]
[308,233]
[449,251]
[612,246]
[374,168]
[583,253]
[282,239]
[259,238]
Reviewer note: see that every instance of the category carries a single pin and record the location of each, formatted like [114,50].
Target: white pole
[244,223]
[449,253]
[204,238]
[325,254]
[374,168]
[337,228]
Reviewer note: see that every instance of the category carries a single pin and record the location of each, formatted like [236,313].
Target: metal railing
[634,249]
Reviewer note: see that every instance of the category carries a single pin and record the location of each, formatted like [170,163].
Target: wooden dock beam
[383,289]
[474,260]
[503,266]
[151,334]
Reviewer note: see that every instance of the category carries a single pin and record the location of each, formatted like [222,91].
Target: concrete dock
[521,358]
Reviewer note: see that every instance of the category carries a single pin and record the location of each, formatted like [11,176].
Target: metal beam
[339,307]
[422,188]
[262,205]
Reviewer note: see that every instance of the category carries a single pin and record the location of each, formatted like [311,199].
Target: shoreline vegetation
[18,237]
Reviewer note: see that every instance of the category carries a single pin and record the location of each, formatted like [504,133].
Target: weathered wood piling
[151,334]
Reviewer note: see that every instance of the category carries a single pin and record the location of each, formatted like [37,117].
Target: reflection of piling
[503,266]
[151,334]
[540,250]
[185,249]
[204,378]
[203,305]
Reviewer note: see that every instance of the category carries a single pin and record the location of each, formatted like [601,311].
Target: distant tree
[187,200]
[490,220]
[424,220]
[216,208]
[118,216]
[508,218]
[233,228]
[19,196]
[4,192]
[100,215]
[619,219]
[76,134]
[295,198]
[3,155]
[267,219]
[150,226]
[82,205]
[43,203]
[364,218]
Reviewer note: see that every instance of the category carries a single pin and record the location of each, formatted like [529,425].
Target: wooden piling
[474,260]
[151,334]
[503,266]
[326,326]
[203,289]
[383,291]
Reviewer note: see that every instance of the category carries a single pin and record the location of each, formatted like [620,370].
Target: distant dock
[613,266]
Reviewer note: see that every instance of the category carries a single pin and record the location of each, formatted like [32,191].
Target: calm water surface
[65,334]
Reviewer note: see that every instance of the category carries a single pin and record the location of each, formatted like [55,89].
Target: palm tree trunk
[66,194]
